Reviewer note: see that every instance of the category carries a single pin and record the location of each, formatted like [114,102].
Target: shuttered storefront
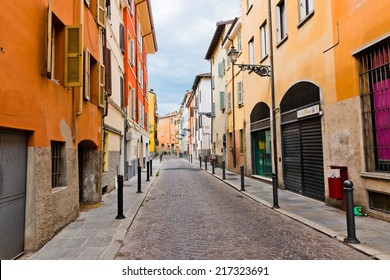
[303,169]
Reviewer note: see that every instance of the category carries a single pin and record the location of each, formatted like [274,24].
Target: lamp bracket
[261,70]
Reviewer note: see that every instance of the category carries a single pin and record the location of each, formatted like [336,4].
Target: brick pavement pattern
[190,215]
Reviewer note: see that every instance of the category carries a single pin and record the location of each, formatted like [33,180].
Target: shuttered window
[122,37]
[305,8]
[100,15]
[73,56]
[240,94]
[281,21]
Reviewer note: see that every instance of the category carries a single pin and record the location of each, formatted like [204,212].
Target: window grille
[374,71]
[57,164]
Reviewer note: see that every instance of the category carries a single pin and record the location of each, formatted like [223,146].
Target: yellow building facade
[332,98]
[359,120]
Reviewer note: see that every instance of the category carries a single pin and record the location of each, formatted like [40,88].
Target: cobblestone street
[189,214]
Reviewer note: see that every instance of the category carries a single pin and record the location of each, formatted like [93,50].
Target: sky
[184,29]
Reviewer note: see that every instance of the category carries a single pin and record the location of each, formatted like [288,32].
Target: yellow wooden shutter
[73,56]
[87,74]
[100,15]
[101,85]
[49,42]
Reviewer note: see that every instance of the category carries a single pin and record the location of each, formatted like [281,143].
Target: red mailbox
[336,189]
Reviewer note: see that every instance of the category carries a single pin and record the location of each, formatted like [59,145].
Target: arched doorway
[88,159]
[261,140]
[303,169]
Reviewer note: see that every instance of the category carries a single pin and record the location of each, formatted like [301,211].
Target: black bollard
[120,198]
[151,167]
[205,163]
[213,165]
[200,162]
[242,178]
[223,171]
[191,158]
[139,178]
[275,191]
[147,172]
[348,190]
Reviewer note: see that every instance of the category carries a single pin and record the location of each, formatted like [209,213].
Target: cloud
[184,29]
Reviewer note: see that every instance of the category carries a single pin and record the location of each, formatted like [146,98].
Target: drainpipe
[274,141]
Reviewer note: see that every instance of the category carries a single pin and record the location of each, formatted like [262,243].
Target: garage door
[13,168]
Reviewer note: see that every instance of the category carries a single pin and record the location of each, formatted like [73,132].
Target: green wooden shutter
[73,56]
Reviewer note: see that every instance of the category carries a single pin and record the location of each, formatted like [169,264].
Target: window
[132,91]
[107,64]
[122,91]
[122,37]
[264,40]
[222,102]
[241,141]
[251,47]
[140,75]
[281,21]
[100,14]
[139,36]
[229,102]
[305,8]
[131,5]
[73,56]
[55,50]
[221,69]
[240,94]
[239,43]
[375,93]
[132,52]
[58,164]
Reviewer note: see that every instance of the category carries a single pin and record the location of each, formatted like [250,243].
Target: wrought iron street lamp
[262,71]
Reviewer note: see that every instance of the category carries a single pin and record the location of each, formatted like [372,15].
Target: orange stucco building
[52,102]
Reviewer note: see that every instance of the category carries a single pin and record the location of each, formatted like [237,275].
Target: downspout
[80,99]
[274,140]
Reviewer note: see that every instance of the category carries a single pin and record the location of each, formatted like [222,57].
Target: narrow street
[189,215]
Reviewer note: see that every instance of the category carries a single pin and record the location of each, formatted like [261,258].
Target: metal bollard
[213,166]
[205,164]
[191,158]
[223,170]
[147,172]
[120,198]
[242,178]
[151,168]
[200,162]
[275,191]
[348,190]
[139,178]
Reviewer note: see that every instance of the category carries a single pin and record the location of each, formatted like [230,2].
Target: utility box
[335,183]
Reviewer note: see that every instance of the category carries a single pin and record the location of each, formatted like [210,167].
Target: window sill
[263,59]
[375,175]
[305,19]
[281,42]
[58,189]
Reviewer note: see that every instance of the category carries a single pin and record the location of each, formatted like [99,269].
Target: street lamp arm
[261,70]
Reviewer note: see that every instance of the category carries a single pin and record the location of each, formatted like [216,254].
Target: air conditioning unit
[128,136]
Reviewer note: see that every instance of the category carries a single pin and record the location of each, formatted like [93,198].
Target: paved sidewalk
[96,234]
[373,234]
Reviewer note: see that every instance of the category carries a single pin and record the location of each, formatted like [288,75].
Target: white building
[202,92]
